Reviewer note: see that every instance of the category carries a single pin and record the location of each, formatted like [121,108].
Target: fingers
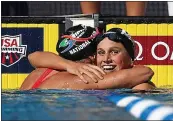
[79,74]
[90,74]
[97,68]
[93,71]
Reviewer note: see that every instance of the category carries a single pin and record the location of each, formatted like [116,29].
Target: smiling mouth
[108,67]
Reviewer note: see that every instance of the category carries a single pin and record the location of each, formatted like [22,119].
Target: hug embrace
[89,59]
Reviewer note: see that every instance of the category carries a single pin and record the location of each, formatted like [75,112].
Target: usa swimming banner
[17,42]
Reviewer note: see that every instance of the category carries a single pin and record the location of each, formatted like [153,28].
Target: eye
[114,52]
[100,52]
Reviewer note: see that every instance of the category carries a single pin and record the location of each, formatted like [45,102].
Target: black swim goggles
[125,39]
[113,36]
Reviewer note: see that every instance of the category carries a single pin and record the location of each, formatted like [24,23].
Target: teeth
[108,67]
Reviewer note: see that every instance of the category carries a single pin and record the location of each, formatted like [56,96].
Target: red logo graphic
[12,49]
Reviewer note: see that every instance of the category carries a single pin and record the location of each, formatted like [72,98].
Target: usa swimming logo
[12,49]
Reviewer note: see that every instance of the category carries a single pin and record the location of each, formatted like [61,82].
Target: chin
[108,71]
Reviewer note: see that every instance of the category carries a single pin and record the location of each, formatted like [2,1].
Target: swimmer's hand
[92,71]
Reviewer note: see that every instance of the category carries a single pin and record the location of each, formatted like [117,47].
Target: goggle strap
[82,39]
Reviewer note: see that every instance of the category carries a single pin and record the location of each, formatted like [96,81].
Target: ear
[132,63]
[93,58]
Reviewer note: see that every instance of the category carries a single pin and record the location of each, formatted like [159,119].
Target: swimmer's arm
[50,60]
[40,59]
[126,78]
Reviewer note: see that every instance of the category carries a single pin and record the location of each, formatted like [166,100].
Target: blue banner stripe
[149,110]
[131,104]
[146,112]
[168,117]
[116,98]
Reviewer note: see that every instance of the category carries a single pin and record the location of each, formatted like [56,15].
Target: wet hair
[119,35]
[78,42]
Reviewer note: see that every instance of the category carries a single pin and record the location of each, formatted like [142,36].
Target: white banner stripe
[139,107]
[160,113]
[125,101]
[144,105]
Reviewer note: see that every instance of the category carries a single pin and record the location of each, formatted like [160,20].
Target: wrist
[68,64]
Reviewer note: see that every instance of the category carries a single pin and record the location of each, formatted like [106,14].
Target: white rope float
[145,109]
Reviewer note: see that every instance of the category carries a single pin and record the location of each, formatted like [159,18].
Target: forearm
[126,78]
[48,60]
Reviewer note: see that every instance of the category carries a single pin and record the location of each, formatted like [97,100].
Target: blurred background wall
[52,8]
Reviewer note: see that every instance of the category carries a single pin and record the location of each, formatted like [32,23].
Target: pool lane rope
[145,109]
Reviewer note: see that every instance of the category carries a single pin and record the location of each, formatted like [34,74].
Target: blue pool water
[71,104]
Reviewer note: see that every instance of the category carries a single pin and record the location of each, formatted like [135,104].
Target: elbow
[150,73]
[32,56]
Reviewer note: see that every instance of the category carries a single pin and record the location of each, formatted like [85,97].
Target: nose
[107,59]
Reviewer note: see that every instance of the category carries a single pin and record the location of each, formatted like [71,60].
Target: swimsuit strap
[40,80]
